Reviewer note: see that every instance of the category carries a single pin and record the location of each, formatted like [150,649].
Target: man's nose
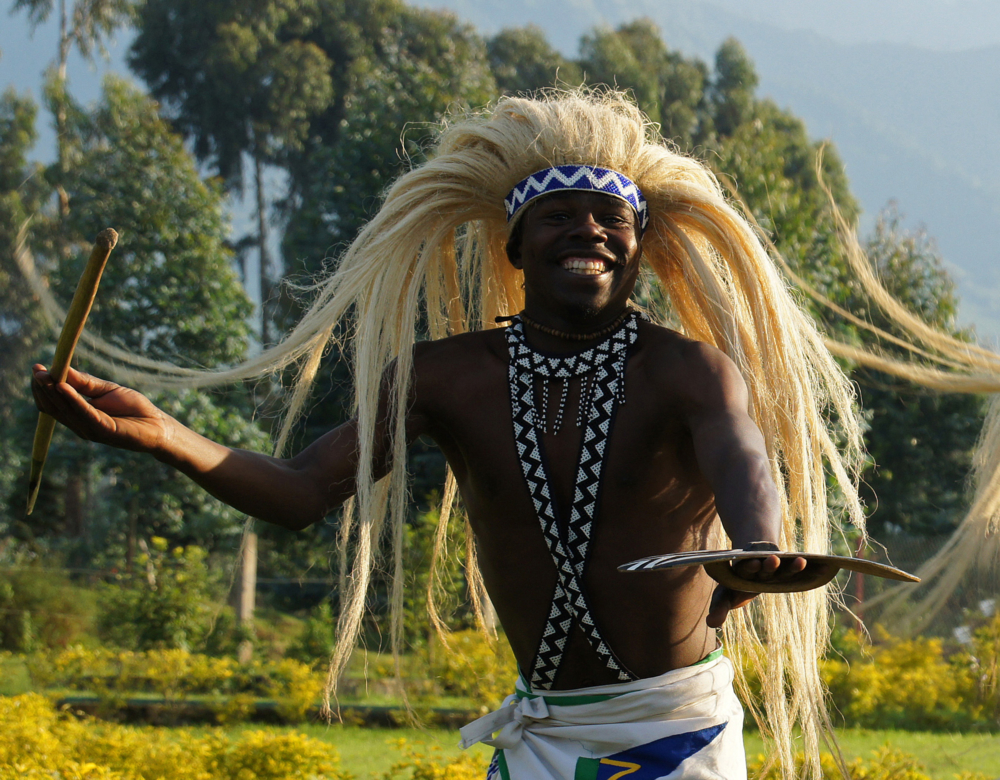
[588,228]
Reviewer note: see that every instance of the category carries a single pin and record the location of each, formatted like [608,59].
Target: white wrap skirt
[686,723]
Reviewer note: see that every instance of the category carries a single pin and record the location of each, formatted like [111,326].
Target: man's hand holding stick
[76,317]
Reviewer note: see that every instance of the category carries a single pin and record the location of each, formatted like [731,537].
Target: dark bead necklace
[561,334]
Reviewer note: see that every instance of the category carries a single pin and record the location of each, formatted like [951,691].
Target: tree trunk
[265,259]
[64,46]
[246,594]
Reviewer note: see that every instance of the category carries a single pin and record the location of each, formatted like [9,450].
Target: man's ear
[514,253]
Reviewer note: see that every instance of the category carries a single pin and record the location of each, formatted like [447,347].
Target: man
[581,436]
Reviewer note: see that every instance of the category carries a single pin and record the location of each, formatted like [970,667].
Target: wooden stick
[76,317]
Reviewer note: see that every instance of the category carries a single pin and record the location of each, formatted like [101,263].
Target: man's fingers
[63,402]
[89,385]
[795,565]
[770,567]
[748,567]
[757,568]
[725,601]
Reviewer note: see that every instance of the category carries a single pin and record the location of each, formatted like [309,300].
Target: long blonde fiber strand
[975,544]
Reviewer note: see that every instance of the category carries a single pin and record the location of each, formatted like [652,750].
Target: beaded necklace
[601,369]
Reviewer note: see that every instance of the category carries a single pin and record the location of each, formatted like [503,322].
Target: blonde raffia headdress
[435,255]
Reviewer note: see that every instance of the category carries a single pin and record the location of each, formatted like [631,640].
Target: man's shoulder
[686,366]
[667,349]
[478,346]
[459,363]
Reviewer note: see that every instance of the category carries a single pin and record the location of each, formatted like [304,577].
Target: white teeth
[586,266]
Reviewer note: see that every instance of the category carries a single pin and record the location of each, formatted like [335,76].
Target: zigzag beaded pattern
[577,177]
[606,362]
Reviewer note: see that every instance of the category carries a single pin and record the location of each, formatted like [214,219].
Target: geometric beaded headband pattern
[577,177]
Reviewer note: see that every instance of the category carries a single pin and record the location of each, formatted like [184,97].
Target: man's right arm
[291,492]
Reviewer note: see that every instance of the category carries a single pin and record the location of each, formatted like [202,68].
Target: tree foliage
[236,77]
[338,95]
[88,23]
[402,70]
[522,60]
[669,87]
[22,329]
[168,292]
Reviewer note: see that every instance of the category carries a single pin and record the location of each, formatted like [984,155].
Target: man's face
[580,254]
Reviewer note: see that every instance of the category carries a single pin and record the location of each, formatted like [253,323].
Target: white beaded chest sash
[601,370]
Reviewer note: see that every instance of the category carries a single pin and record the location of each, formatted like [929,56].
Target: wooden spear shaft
[76,318]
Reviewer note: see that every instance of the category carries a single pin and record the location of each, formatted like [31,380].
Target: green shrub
[167,605]
[312,646]
[886,763]
[471,665]
[421,763]
[984,663]
[41,608]
[229,687]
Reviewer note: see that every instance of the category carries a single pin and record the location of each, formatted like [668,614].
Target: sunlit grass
[369,752]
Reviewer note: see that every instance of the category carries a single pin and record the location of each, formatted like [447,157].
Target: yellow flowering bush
[886,763]
[36,741]
[984,662]
[296,687]
[903,684]
[421,763]
[228,687]
[475,666]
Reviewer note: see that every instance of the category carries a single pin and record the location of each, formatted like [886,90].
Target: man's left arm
[732,455]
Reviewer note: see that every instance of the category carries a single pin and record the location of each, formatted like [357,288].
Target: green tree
[22,329]
[669,87]
[169,292]
[522,60]
[630,57]
[164,604]
[733,86]
[84,26]
[243,81]
[400,74]
[771,163]
[921,442]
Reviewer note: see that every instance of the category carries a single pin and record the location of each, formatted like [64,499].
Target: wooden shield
[819,570]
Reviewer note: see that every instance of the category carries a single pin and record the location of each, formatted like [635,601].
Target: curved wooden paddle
[819,570]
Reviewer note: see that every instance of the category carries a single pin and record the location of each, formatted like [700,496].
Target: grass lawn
[368,752]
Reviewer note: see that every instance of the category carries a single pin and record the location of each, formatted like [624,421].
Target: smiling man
[580,436]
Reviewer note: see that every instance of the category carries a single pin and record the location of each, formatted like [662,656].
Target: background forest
[331,100]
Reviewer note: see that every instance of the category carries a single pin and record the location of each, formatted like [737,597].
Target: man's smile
[587,265]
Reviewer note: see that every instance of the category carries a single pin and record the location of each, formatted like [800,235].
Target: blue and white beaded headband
[576,177]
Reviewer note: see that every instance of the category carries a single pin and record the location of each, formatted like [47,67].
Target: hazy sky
[929,24]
